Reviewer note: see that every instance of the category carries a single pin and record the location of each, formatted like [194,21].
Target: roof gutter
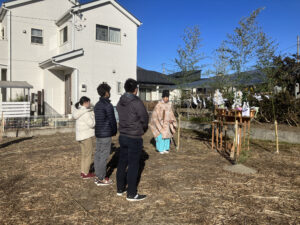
[3,11]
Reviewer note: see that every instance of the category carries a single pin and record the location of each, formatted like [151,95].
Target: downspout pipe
[73,30]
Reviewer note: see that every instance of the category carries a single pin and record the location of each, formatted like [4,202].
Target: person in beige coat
[163,123]
[85,123]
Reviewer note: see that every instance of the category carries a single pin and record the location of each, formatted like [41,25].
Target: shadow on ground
[14,142]
[113,163]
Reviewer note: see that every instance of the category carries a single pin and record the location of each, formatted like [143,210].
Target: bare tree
[189,56]
[240,46]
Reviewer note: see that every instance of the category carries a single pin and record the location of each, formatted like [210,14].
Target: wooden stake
[276,137]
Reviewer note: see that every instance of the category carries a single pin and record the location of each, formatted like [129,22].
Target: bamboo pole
[239,149]
[276,137]
[212,135]
[2,127]
[1,130]
[221,136]
[235,144]
[217,137]
[178,137]
[248,135]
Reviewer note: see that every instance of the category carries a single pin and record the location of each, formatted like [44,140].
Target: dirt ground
[40,184]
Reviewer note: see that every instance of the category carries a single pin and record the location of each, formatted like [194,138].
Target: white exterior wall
[96,66]
[25,55]
[101,58]
[54,92]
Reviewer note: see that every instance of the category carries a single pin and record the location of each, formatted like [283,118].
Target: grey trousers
[103,147]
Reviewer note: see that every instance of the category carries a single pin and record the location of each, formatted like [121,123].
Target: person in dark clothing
[105,128]
[133,123]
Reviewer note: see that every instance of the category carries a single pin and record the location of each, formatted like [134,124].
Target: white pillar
[76,74]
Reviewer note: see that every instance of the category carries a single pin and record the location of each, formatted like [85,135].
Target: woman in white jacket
[85,123]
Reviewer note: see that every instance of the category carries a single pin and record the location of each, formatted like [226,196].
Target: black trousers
[130,153]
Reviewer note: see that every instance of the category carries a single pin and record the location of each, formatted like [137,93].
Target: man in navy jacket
[105,128]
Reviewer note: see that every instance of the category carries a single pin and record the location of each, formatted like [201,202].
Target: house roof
[248,78]
[76,8]
[188,76]
[13,4]
[15,84]
[95,4]
[152,77]
[61,58]
[16,3]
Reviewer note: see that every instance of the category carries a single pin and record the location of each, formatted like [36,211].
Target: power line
[297,48]
[22,60]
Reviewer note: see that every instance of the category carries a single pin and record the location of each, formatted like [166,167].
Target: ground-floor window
[145,94]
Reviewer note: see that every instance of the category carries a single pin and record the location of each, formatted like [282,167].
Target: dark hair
[82,100]
[103,88]
[130,85]
[165,93]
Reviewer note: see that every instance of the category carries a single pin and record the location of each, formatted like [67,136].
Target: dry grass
[40,184]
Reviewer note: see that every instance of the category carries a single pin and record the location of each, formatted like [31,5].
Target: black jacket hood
[127,98]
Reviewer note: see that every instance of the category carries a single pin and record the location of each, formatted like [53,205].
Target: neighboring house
[67,49]
[186,77]
[208,85]
[151,84]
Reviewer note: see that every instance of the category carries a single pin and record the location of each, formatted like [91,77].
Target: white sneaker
[166,152]
[162,153]
[136,198]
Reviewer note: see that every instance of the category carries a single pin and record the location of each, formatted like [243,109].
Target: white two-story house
[67,49]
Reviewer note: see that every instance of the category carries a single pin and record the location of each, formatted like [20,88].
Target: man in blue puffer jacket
[105,128]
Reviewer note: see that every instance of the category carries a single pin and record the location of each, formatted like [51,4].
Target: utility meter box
[83,88]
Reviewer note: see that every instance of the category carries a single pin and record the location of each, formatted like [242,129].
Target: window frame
[103,26]
[109,28]
[119,88]
[61,40]
[108,34]
[35,43]
[2,36]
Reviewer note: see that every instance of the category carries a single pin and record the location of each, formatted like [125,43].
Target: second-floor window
[63,35]
[2,34]
[119,88]
[109,34]
[36,36]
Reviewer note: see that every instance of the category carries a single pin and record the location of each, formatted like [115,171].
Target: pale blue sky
[165,20]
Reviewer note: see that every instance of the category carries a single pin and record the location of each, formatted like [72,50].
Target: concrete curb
[255,133]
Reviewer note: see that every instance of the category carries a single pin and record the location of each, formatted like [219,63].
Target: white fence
[37,122]
[15,109]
